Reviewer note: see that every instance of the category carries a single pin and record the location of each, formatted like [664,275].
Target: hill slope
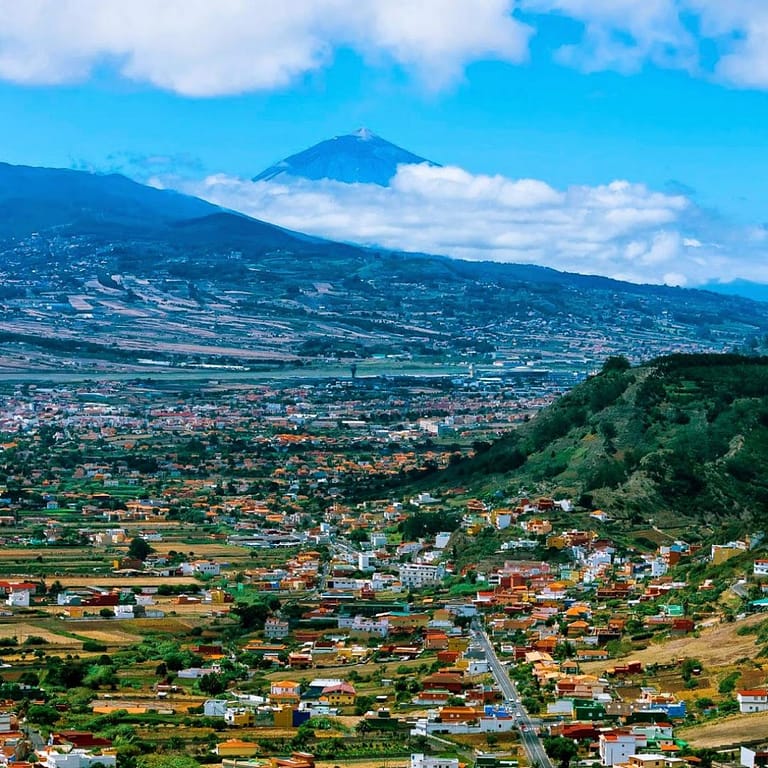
[101,271]
[681,442]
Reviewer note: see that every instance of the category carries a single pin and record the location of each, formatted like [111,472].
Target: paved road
[528,736]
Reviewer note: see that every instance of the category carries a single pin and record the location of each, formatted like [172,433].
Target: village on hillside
[230,573]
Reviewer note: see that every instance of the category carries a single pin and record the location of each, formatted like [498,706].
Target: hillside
[678,444]
[102,273]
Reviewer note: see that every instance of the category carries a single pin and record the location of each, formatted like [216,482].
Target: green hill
[680,443]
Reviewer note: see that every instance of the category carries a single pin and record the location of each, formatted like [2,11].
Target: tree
[42,714]
[251,616]
[212,684]
[562,749]
[616,363]
[139,549]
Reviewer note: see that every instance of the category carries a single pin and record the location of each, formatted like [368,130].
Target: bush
[728,683]
[35,640]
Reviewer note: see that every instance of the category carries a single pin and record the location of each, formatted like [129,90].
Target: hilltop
[676,445]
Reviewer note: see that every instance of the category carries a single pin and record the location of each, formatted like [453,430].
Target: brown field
[22,631]
[716,646]
[728,732]
[216,550]
[169,625]
[113,637]
[107,581]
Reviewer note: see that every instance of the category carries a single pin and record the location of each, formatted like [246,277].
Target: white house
[753,757]
[207,568]
[760,568]
[76,758]
[275,629]
[215,707]
[420,760]
[378,626]
[19,598]
[378,540]
[754,700]
[420,575]
[616,747]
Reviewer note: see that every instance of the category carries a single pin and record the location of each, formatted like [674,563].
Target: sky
[617,137]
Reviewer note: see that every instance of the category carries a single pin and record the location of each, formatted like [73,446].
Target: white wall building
[760,568]
[215,707]
[207,568]
[616,748]
[751,757]
[420,760]
[19,598]
[378,626]
[420,575]
[76,758]
[755,700]
[378,540]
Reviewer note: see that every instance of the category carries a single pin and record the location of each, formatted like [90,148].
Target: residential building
[755,700]
[76,758]
[420,760]
[275,629]
[419,575]
[617,746]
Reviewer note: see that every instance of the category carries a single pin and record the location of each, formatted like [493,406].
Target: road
[530,740]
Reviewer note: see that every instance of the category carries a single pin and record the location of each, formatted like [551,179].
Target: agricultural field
[729,732]
[721,645]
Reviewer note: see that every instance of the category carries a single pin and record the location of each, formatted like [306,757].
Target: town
[232,572]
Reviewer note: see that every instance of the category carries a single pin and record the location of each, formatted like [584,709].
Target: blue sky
[668,94]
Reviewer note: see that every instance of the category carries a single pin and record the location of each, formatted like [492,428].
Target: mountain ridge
[145,273]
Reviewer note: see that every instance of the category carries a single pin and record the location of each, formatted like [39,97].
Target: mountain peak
[360,157]
[366,134]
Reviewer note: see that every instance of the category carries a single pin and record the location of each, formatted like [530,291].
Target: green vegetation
[679,441]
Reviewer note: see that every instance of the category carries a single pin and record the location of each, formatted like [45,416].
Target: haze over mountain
[100,270]
[360,157]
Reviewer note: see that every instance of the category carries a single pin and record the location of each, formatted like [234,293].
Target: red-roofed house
[754,700]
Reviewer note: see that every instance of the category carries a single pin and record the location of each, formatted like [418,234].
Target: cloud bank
[203,48]
[217,47]
[622,230]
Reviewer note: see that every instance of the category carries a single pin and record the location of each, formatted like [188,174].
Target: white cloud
[620,230]
[214,47]
[623,35]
